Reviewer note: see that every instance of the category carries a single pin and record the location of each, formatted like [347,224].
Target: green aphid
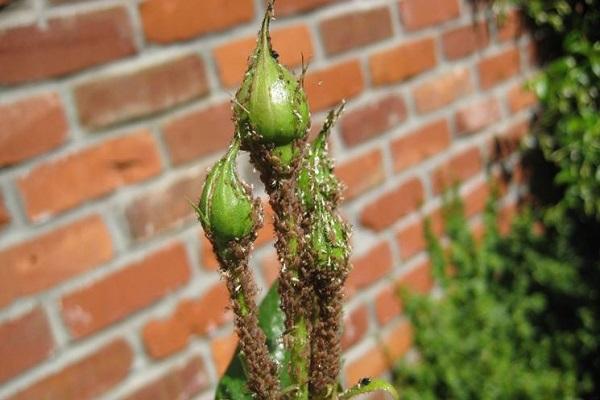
[226,209]
[328,239]
[270,103]
[316,178]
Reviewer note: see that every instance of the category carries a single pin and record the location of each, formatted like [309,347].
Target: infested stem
[262,370]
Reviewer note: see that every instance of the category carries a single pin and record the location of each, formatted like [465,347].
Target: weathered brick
[373,119]
[356,324]
[418,14]
[499,67]
[361,173]
[167,21]
[520,98]
[509,140]
[511,26]
[24,342]
[60,184]
[420,144]
[86,378]
[48,259]
[167,336]
[182,383]
[292,43]
[67,44]
[457,169]
[164,208]
[199,133]
[389,207]
[288,7]
[442,90]
[110,99]
[387,305]
[477,115]
[369,268]
[328,87]
[402,62]
[120,294]
[223,350]
[465,40]
[355,29]
[31,126]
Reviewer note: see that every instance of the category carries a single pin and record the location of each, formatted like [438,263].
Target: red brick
[31,126]
[60,184]
[411,238]
[420,144]
[355,29]
[387,305]
[114,98]
[397,341]
[120,294]
[520,98]
[356,325]
[223,350]
[372,363]
[51,258]
[361,173]
[292,43]
[477,115]
[495,69]
[418,279]
[369,268]
[373,119]
[287,7]
[67,44]
[199,133]
[182,383]
[207,313]
[207,256]
[391,206]
[476,199]
[166,21]
[465,40]
[5,217]
[418,14]
[269,268]
[24,342]
[402,62]
[459,168]
[442,90]
[165,337]
[86,378]
[164,208]
[328,87]
[511,26]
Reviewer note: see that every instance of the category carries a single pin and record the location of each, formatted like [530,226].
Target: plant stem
[261,369]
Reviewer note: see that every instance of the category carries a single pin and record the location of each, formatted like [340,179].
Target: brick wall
[110,113]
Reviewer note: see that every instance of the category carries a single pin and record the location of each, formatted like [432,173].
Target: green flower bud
[226,209]
[270,102]
[328,239]
[316,178]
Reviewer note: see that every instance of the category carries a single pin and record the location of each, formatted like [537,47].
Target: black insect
[364,381]
[275,54]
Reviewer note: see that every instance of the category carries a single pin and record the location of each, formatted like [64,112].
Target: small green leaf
[367,385]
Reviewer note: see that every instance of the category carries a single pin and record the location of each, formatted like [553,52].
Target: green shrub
[515,319]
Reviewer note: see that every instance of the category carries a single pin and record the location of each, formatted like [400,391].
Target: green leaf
[368,386]
[232,385]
